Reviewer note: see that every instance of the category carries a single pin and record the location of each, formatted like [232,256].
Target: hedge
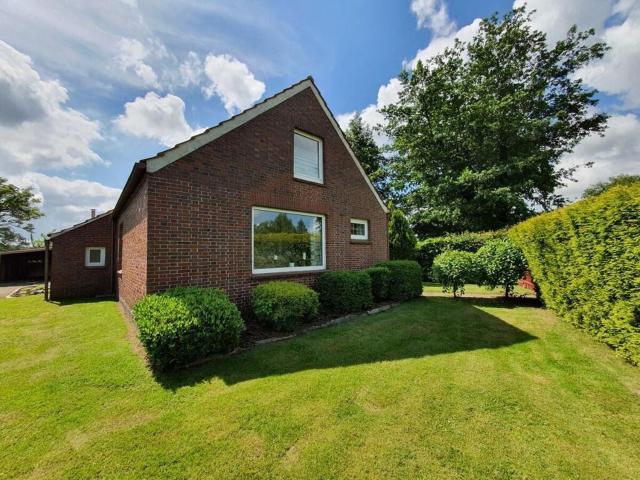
[405,280]
[182,325]
[586,260]
[345,292]
[281,305]
[380,277]
[428,249]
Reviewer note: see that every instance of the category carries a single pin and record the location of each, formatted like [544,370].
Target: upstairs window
[307,157]
[94,256]
[359,229]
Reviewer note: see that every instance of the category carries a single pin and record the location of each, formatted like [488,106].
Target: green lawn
[436,388]
[471,290]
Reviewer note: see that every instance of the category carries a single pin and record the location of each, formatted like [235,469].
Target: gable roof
[169,156]
[78,225]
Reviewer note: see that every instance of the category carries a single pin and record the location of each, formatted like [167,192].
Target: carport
[22,265]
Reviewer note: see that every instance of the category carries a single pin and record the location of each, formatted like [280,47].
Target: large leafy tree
[478,130]
[360,138]
[18,206]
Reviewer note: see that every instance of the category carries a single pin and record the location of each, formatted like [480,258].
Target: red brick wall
[131,236]
[69,276]
[200,206]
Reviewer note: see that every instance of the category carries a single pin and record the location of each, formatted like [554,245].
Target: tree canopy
[479,130]
[360,138]
[18,206]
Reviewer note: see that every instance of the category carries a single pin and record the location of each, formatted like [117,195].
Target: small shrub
[345,292]
[453,269]
[405,279]
[380,277]
[500,264]
[182,325]
[281,305]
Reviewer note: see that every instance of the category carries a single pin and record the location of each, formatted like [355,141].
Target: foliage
[182,325]
[430,248]
[281,305]
[500,263]
[345,292]
[586,260]
[18,206]
[360,138]
[601,187]
[479,129]
[402,240]
[405,279]
[380,277]
[453,269]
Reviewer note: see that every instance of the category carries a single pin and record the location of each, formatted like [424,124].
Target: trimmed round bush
[500,264]
[405,279]
[453,269]
[182,325]
[380,277]
[345,292]
[281,305]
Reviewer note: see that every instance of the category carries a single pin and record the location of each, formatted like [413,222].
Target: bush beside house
[380,278]
[405,279]
[282,305]
[182,325]
[344,291]
[586,260]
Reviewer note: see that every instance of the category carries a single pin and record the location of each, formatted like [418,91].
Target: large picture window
[285,241]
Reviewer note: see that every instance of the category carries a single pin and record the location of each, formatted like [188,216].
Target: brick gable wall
[199,207]
[131,239]
[69,276]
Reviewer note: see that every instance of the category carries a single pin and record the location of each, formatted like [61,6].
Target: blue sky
[88,88]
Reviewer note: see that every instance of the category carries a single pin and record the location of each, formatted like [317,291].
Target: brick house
[273,192]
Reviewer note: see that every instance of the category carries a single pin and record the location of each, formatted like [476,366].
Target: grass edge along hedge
[345,291]
[586,259]
[282,305]
[405,279]
[181,325]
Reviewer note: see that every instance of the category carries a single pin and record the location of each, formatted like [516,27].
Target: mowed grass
[472,290]
[436,388]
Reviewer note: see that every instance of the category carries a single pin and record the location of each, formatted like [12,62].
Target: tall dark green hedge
[345,292]
[586,260]
[428,249]
[405,279]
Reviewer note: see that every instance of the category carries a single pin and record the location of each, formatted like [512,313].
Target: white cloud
[66,202]
[191,70]
[618,151]
[155,117]
[433,15]
[343,119]
[131,56]
[36,129]
[439,44]
[232,81]
[617,73]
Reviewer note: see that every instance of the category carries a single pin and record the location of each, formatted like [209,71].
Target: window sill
[286,274]
[309,182]
[360,242]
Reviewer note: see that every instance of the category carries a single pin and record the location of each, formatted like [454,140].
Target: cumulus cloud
[433,15]
[36,129]
[232,81]
[618,151]
[155,117]
[66,202]
[131,56]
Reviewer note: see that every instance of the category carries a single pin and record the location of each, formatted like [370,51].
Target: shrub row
[499,263]
[182,325]
[586,261]
[281,305]
[427,250]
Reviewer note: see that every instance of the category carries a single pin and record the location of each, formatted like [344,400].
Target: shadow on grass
[422,327]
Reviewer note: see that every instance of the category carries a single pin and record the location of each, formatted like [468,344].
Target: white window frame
[288,269]
[87,257]
[366,229]
[320,178]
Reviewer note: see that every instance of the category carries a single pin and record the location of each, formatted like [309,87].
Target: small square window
[359,229]
[307,157]
[95,256]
